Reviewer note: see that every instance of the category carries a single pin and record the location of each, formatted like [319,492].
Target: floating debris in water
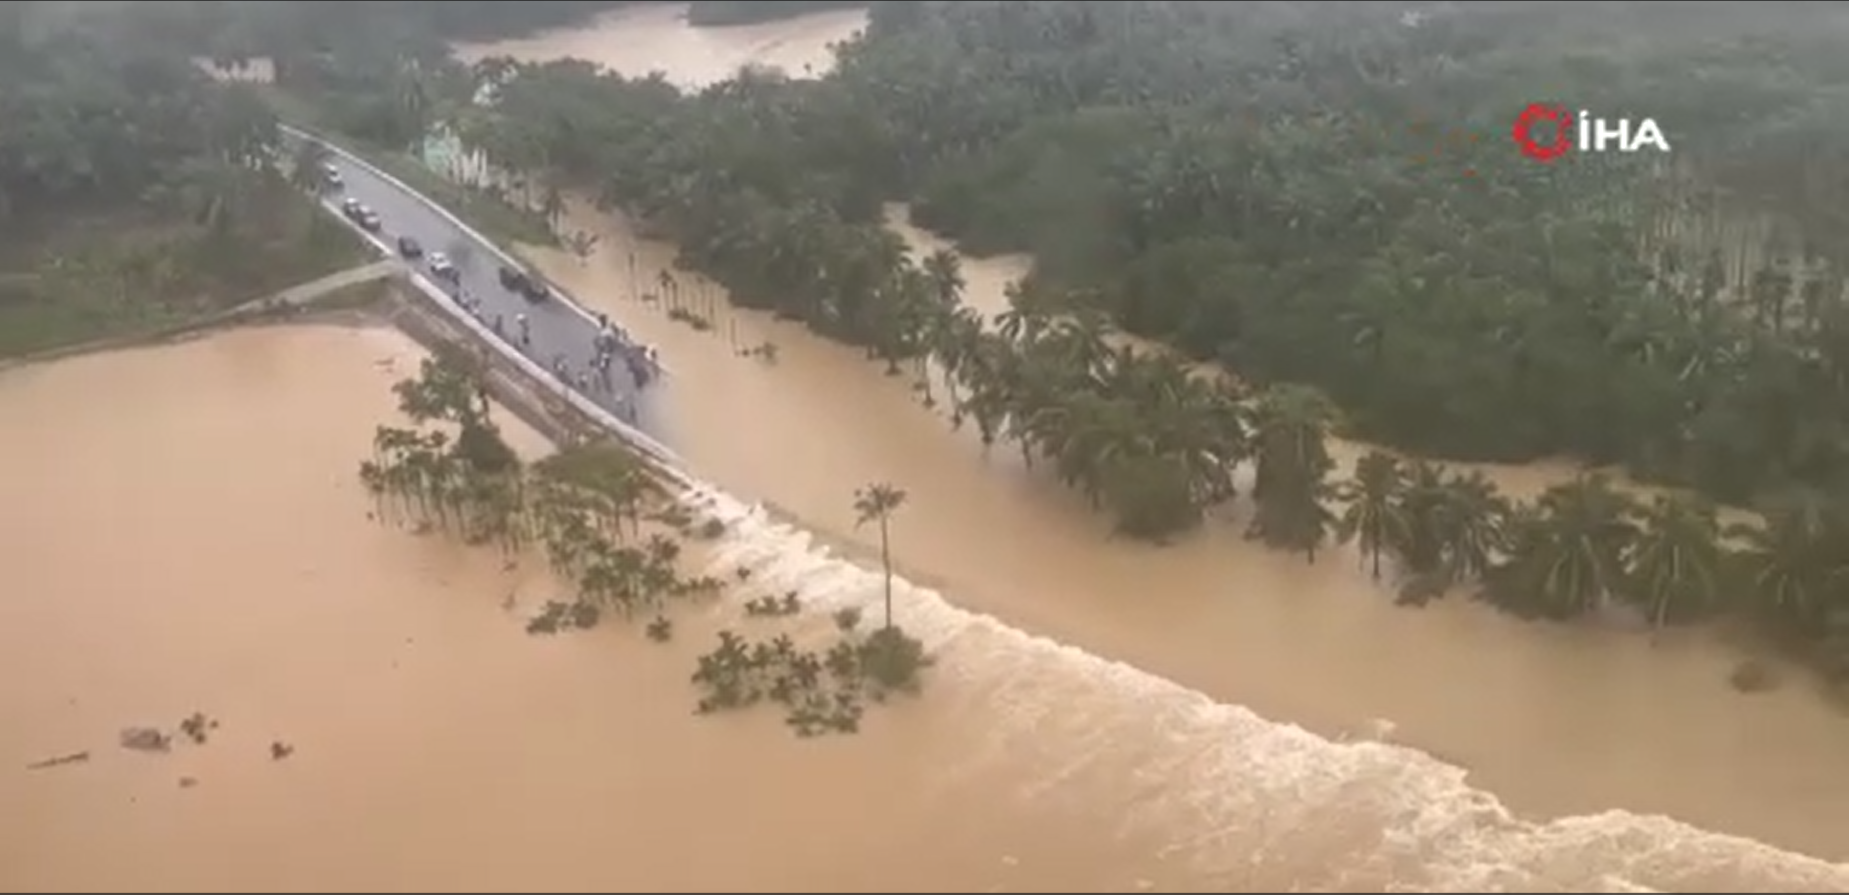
[145,739]
[60,761]
[196,726]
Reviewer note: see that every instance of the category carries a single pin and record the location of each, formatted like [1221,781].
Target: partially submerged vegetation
[136,193]
[607,526]
[1284,220]
[1296,195]
[1275,190]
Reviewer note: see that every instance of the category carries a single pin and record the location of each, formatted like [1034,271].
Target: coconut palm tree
[1567,553]
[945,270]
[1290,484]
[306,169]
[1675,562]
[552,205]
[1792,562]
[1470,519]
[1374,515]
[876,503]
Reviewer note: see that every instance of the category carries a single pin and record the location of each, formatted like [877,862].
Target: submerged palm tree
[1676,559]
[877,503]
[1375,517]
[1567,552]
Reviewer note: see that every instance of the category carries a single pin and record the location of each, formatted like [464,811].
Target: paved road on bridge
[559,332]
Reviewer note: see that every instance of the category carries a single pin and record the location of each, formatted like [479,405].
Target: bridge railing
[660,453]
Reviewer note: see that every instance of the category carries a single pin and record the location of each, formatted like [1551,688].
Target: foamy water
[1252,803]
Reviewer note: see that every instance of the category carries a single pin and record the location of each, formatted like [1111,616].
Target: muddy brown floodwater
[199,543]
[640,40]
[1563,722]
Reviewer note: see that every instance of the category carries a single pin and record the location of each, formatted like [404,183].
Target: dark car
[409,248]
[529,286]
[360,214]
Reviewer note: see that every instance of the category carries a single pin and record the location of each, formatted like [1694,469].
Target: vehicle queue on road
[610,342]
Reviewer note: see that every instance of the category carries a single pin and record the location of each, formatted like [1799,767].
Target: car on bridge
[331,174]
[358,213]
[409,247]
[530,287]
[443,269]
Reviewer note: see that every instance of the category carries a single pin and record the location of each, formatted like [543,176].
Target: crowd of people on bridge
[610,343]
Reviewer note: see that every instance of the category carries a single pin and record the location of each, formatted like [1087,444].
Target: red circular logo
[1540,114]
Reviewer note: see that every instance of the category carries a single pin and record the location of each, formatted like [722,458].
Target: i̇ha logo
[1545,133]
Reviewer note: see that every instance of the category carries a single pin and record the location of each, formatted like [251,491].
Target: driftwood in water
[73,758]
[145,739]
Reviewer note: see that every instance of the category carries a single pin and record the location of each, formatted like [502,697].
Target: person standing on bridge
[526,330]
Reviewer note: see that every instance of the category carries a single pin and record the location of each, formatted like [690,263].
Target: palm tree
[1676,558]
[670,289]
[1293,464]
[1375,514]
[877,503]
[1567,552]
[1470,524]
[582,244]
[1791,562]
[552,204]
[1027,315]
[946,272]
[305,171]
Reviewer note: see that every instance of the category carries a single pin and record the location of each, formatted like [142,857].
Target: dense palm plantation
[135,191]
[1322,200]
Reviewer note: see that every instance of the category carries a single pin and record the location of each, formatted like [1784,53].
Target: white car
[442,267]
[331,173]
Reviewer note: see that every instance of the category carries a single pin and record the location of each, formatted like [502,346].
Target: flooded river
[1204,717]
[201,544]
[1560,721]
